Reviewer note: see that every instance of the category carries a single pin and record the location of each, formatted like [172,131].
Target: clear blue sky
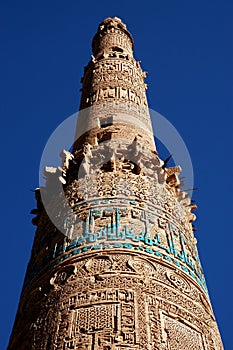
[186,46]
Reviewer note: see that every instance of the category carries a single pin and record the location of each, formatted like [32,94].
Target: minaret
[114,263]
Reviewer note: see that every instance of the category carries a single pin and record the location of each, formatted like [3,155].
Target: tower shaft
[119,269]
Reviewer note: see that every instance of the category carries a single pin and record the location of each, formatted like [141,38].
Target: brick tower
[114,264]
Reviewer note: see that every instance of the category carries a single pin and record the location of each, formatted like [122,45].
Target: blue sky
[186,47]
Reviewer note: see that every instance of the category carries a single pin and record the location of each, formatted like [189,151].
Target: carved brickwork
[180,336]
[114,263]
[117,301]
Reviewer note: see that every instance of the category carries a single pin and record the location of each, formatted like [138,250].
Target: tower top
[113,90]
[112,34]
